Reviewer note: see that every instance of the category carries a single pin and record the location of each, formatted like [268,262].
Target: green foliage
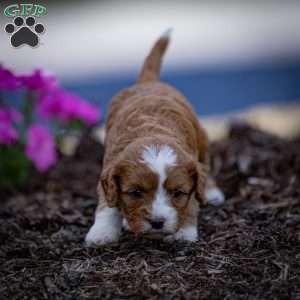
[14,167]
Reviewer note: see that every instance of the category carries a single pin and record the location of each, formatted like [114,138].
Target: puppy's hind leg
[213,194]
[106,228]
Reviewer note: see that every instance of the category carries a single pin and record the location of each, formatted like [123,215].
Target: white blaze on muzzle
[159,158]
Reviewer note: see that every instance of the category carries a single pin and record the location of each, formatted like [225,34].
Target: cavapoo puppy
[155,170]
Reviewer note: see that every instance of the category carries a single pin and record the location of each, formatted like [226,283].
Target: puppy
[155,170]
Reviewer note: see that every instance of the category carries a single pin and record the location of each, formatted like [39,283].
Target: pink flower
[8,81]
[8,134]
[10,115]
[57,104]
[66,107]
[88,113]
[40,147]
[39,81]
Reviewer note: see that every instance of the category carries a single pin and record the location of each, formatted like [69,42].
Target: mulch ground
[250,246]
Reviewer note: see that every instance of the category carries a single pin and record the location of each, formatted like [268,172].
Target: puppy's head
[154,188]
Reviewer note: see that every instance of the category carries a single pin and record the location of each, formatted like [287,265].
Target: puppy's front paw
[214,196]
[99,235]
[187,234]
[106,229]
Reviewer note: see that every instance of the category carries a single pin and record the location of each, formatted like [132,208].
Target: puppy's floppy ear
[198,171]
[110,185]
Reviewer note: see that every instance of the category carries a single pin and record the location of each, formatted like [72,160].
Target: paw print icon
[24,32]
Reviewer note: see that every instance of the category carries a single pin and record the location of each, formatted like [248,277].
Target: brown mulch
[250,246]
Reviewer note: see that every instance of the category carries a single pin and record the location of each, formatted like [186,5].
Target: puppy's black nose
[157,224]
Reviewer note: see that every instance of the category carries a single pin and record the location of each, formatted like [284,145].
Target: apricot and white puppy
[155,167]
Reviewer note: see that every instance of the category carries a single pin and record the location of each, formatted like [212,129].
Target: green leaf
[14,167]
[74,125]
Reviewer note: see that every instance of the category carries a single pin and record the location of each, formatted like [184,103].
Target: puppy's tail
[151,68]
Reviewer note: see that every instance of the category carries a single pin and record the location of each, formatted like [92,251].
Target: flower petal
[40,147]
[39,81]
[8,134]
[66,107]
[8,80]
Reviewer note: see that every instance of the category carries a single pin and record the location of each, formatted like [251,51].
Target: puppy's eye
[178,193]
[135,194]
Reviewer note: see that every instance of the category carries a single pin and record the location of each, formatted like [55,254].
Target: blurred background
[230,58]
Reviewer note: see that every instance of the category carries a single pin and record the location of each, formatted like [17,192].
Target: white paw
[214,196]
[188,234]
[99,235]
[106,229]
